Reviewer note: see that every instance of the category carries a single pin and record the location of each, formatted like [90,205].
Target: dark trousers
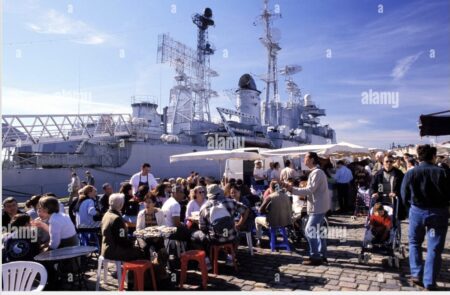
[342,194]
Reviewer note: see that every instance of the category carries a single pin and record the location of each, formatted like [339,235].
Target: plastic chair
[20,276]
[103,264]
[229,249]
[199,256]
[273,239]
[138,267]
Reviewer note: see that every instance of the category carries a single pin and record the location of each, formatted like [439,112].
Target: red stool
[138,267]
[199,256]
[229,249]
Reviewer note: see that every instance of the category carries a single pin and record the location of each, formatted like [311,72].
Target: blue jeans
[316,235]
[434,224]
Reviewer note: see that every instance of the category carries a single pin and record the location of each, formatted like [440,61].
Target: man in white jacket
[318,203]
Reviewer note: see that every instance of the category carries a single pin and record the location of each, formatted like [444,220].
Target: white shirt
[171,208]
[60,227]
[136,178]
[193,206]
[297,204]
[260,172]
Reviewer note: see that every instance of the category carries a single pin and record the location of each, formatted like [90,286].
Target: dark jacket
[397,184]
[115,242]
[278,208]
[426,186]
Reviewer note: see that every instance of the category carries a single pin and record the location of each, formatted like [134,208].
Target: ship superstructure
[40,151]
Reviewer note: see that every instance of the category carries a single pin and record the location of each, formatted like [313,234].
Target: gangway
[22,130]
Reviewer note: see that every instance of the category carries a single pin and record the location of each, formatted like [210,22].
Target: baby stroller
[392,245]
[362,202]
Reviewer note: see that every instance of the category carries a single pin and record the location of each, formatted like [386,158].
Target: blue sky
[106,51]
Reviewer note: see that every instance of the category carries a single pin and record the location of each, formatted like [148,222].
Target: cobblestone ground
[283,271]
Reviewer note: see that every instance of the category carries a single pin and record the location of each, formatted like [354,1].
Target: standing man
[144,177]
[259,174]
[74,186]
[426,190]
[379,162]
[104,199]
[89,178]
[343,178]
[288,172]
[317,205]
[388,182]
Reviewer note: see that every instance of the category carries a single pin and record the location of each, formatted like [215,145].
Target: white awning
[215,155]
[342,148]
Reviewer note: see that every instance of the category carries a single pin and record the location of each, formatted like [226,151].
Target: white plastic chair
[20,276]
[103,264]
[248,236]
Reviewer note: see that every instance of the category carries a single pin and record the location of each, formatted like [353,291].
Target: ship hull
[25,182]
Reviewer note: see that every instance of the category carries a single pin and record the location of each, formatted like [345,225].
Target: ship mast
[270,41]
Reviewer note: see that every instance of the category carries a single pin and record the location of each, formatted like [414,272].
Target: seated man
[216,220]
[277,208]
[115,242]
[380,224]
[10,208]
[22,243]
[172,213]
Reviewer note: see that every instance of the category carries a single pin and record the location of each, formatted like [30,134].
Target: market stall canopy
[343,148]
[435,124]
[216,155]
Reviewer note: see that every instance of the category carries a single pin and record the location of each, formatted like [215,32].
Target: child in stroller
[380,224]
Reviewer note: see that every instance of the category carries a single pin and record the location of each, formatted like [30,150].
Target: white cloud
[20,101]
[403,65]
[56,23]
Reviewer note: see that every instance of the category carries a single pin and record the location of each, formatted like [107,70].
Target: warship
[41,151]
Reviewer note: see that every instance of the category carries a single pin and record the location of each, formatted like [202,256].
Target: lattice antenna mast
[291,87]
[270,41]
[202,88]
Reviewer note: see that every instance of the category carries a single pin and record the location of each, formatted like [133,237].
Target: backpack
[21,250]
[221,221]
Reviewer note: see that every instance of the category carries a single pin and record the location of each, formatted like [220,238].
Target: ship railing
[21,130]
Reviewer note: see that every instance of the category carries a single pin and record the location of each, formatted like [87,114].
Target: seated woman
[235,193]
[22,243]
[146,218]
[115,242]
[380,224]
[62,234]
[131,205]
[85,210]
[60,228]
[31,204]
[198,198]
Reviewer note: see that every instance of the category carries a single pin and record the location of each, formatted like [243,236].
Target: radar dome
[246,82]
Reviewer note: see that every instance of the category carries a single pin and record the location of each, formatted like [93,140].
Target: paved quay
[282,271]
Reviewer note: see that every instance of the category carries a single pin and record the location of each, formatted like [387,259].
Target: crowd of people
[206,211]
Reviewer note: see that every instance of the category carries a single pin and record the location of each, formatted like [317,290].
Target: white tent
[216,155]
[342,148]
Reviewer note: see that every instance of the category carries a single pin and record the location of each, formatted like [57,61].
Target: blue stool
[273,239]
[88,239]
